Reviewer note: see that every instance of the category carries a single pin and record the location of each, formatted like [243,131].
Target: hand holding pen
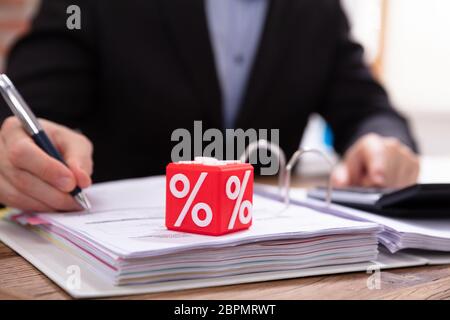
[43,166]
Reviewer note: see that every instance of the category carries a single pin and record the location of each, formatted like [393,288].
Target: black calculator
[419,200]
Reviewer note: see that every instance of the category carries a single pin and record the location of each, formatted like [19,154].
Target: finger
[81,175]
[10,124]
[408,168]
[374,161]
[31,186]
[77,151]
[368,182]
[398,170]
[403,177]
[340,176]
[11,197]
[415,170]
[24,154]
[413,166]
[42,165]
[354,165]
[396,162]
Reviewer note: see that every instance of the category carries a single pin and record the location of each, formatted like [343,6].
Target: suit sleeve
[356,104]
[53,66]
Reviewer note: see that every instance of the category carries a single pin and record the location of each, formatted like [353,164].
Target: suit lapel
[273,44]
[188,26]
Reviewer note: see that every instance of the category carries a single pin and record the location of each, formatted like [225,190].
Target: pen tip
[83,201]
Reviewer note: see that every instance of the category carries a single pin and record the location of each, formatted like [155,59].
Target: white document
[399,233]
[131,224]
[123,247]
[59,265]
[125,237]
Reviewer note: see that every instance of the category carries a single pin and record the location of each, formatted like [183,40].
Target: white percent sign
[235,190]
[179,177]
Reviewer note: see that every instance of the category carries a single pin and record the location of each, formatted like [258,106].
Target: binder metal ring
[295,157]
[276,150]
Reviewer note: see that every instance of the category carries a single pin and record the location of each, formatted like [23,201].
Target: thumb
[340,177]
[81,171]
[77,151]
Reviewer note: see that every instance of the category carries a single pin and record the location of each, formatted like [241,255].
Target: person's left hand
[376,161]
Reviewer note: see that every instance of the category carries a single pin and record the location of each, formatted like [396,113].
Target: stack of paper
[398,234]
[124,238]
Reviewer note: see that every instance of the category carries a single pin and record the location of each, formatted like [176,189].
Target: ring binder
[293,160]
[274,148]
[285,172]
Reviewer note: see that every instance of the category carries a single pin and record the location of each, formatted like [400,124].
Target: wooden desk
[20,280]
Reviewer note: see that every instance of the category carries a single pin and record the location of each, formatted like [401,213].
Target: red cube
[208,196]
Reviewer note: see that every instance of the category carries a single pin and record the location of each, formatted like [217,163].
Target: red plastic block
[208,196]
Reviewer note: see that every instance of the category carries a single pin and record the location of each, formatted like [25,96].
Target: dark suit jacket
[138,69]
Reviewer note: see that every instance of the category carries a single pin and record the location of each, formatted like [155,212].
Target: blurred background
[14,21]
[406,43]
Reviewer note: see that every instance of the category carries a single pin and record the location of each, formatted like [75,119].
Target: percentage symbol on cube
[237,193]
[197,207]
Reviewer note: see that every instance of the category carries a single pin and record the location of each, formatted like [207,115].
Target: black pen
[32,126]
